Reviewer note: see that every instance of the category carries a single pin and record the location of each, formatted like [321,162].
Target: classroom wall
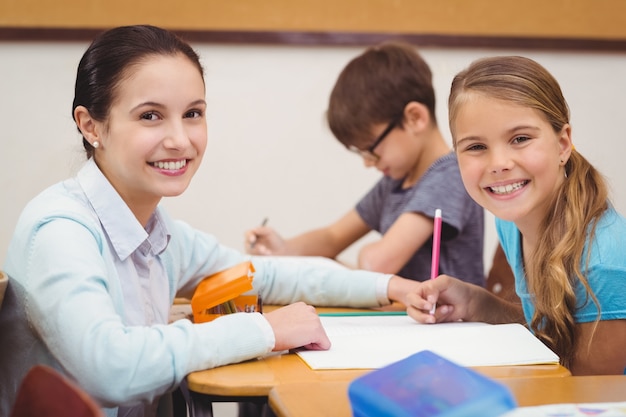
[583,19]
[270,152]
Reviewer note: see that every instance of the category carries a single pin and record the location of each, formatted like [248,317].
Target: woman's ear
[416,116]
[86,124]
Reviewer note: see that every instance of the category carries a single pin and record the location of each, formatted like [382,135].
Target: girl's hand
[298,325]
[264,240]
[451,296]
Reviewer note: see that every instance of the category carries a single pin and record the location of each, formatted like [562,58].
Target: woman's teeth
[172,165]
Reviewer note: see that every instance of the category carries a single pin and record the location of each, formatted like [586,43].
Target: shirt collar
[123,229]
[159,235]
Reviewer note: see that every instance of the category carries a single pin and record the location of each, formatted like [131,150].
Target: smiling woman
[164,127]
[97,304]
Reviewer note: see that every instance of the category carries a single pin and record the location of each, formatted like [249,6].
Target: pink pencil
[434,267]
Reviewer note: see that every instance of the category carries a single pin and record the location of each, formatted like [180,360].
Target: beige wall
[270,152]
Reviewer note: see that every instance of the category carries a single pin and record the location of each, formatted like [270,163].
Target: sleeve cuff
[382,285]
[266,329]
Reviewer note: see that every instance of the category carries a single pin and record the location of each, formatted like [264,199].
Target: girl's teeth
[506,189]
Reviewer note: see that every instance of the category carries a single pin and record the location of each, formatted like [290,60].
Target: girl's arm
[459,300]
[600,348]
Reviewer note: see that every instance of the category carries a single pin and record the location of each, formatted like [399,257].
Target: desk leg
[200,405]
[257,408]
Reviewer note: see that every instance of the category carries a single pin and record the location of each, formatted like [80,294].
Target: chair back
[500,279]
[45,392]
[4,281]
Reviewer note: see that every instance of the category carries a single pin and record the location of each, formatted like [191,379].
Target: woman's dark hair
[109,59]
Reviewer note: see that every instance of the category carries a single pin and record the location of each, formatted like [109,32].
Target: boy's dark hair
[374,88]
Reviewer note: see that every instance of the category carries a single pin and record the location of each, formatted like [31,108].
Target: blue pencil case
[428,385]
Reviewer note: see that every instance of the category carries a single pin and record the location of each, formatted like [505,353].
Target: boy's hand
[264,240]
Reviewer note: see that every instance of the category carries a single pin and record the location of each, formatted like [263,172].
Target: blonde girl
[561,235]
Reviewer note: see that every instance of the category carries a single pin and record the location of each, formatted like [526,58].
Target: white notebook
[371,342]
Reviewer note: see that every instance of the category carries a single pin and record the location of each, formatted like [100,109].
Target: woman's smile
[171,167]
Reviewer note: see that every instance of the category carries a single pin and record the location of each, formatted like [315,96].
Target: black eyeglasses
[369,152]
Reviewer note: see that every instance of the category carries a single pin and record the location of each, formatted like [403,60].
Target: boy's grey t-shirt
[462,233]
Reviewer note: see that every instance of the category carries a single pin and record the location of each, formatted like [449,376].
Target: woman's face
[511,160]
[155,136]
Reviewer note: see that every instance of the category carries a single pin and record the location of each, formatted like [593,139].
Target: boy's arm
[331,240]
[409,232]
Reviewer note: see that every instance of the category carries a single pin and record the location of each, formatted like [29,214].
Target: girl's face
[511,160]
[155,136]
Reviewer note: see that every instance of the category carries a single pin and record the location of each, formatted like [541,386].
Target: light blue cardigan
[64,304]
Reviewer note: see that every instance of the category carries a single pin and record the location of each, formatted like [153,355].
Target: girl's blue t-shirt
[606,270]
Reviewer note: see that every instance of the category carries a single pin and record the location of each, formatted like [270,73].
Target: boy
[382,107]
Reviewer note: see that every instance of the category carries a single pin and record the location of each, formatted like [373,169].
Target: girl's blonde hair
[556,266]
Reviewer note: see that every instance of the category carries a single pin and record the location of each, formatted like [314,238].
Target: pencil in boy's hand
[434,267]
[263,223]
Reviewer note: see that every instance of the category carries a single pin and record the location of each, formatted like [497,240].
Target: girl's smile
[506,189]
[511,164]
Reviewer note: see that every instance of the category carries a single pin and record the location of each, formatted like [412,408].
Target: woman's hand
[298,325]
[264,240]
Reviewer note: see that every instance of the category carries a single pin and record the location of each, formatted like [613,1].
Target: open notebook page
[371,342]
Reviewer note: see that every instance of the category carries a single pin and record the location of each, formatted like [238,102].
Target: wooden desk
[258,377]
[310,399]
[253,380]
